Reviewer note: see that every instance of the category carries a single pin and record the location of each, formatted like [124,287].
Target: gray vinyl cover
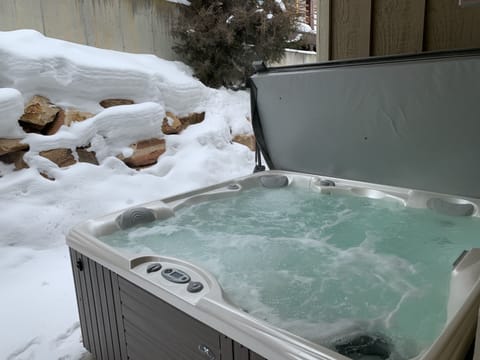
[411,121]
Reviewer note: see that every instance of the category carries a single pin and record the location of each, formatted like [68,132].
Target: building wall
[296,57]
[360,28]
[139,26]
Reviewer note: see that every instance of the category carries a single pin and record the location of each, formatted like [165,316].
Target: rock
[38,113]
[61,157]
[145,153]
[11,145]
[15,158]
[72,116]
[171,124]
[87,156]
[19,162]
[47,176]
[56,124]
[65,118]
[115,102]
[246,139]
[193,118]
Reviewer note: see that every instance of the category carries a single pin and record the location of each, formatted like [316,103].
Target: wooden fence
[140,26]
[361,28]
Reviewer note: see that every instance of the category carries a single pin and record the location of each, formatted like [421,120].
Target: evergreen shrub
[221,39]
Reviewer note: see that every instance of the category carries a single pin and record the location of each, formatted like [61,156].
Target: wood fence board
[350,28]
[62,20]
[448,26]
[397,26]
[323,30]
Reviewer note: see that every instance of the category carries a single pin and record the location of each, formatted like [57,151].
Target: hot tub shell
[127,312]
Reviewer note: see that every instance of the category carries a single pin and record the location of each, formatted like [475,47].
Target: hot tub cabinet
[361,242]
[120,320]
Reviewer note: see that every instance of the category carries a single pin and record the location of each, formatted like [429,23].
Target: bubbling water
[327,268]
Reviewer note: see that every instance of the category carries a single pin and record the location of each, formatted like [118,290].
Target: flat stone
[246,139]
[46,176]
[39,112]
[11,145]
[72,116]
[19,161]
[171,124]
[56,124]
[193,118]
[15,158]
[145,153]
[61,157]
[87,156]
[65,118]
[115,102]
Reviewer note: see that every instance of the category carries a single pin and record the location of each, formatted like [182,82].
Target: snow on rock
[109,133]
[11,108]
[68,74]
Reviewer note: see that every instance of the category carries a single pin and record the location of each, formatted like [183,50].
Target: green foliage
[221,39]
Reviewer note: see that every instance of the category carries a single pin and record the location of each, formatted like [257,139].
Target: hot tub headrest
[135,216]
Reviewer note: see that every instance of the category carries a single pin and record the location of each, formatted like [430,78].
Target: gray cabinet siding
[121,321]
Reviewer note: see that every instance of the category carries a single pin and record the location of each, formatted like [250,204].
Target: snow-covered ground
[38,314]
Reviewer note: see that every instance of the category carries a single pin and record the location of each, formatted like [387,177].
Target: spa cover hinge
[258,161]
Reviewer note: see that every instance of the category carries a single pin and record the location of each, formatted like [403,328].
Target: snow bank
[37,306]
[11,108]
[62,70]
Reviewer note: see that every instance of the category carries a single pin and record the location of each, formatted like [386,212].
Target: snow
[38,305]
[11,108]
[304,28]
[281,5]
[68,74]
[183,2]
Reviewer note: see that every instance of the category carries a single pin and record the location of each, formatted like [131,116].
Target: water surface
[320,266]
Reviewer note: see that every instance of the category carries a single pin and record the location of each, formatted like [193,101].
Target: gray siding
[98,306]
[121,321]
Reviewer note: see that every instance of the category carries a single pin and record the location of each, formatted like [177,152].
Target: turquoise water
[320,266]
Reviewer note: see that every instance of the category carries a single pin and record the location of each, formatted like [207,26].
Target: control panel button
[153,267]
[176,276]
[195,287]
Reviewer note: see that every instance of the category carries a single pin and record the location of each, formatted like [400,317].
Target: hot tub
[289,266]
[360,243]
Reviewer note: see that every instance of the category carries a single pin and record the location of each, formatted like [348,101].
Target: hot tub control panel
[172,276]
[176,276]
